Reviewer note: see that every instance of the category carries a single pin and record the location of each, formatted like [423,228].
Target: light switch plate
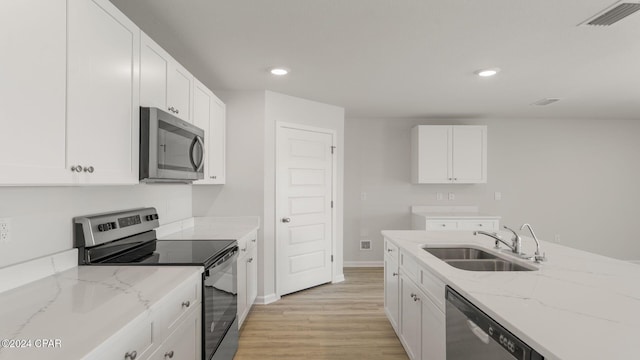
[497,195]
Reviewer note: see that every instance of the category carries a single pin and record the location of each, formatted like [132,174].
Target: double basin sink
[474,259]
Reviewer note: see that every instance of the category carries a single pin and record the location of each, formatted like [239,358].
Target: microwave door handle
[198,141]
[201,142]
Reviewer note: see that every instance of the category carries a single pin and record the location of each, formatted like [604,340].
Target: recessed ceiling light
[487,72]
[279,71]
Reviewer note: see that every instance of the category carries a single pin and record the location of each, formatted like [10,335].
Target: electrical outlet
[452,196]
[5,230]
[365,244]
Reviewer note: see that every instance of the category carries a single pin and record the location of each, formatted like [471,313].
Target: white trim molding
[267,299]
[364,264]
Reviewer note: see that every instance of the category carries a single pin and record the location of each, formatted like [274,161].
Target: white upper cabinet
[209,114]
[164,83]
[102,93]
[449,154]
[32,93]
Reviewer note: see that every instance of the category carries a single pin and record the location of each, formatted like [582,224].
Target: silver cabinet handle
[253,240]
[168,354]
[286,220]
[213,177]
[186,303]
[413,295]
[131,355]
[389,250]
[77,168]
[88,169]
[395,274]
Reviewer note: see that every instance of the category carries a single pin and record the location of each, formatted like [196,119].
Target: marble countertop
[461,215]
[578,305]
[211,228]
[80,308]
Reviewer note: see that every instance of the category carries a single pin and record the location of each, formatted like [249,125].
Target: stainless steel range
[129,238]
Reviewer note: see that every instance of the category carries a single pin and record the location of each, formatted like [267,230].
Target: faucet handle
[540,258]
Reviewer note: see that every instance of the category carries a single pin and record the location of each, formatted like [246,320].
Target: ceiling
[409,58]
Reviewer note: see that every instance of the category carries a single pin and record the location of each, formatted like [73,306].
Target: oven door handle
[478,332]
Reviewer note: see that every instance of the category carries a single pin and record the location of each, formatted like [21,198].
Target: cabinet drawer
[441,225]
[247,243]
[183,343]
[136,340]
[390,249]
[433,287]
[409,266]
[487,225]
[178,303]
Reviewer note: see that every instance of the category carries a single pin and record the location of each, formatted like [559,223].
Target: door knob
[286,220]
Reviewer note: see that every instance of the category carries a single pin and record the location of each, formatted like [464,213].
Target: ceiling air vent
[613,14]
[545,101]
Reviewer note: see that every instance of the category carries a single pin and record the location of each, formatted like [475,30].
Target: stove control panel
[97,229]
[107,226]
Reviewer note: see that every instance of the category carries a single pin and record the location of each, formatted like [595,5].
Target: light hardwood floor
[332,321]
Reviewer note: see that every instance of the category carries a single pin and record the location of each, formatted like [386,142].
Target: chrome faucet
[516,241]
[538,257]
[497,239]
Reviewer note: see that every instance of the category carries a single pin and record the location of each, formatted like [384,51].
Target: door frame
[334,180]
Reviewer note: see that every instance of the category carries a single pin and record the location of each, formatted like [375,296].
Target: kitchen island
[576,305]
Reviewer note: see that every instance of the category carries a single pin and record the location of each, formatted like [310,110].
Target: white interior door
[304,216]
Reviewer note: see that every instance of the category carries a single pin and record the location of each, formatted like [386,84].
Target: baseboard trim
[267,299]
[364,264]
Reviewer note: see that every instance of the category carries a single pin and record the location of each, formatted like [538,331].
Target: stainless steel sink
[473,259]
[458,253]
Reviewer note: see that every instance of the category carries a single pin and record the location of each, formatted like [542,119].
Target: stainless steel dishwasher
[472,334]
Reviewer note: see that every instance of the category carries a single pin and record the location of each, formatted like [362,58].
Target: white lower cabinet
[183,343]
[247,275]
[414,303]
[170,329]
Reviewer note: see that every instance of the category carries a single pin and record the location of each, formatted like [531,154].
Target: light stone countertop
[82,307]
[210,228]
[461,215]
[578,305]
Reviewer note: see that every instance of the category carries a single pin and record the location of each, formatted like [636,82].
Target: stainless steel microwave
[171,149]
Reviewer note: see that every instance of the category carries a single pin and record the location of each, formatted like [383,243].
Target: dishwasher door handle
[478,332]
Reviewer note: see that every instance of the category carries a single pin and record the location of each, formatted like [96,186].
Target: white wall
[574,178]
[250,188]
[41,217]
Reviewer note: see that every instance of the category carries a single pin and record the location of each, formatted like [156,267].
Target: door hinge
[331,258]
[332,149]
[332,204]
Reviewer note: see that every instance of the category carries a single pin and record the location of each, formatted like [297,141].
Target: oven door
[219,307]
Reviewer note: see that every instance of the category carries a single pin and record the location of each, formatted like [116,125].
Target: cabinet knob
[213,177]
[444,225]
[286,220]
[244,249]
[395,274]
[168,354]
[253,240]
[389,250]
[131,355]
[416,298]
[250,260]
[186,303]
[77,168]
[177,111]
[88,169]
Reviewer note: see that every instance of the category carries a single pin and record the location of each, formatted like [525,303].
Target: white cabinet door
[32,93]
[209,114]
[182,344]
[102,93]
[392,290]
[431,154]
[217,142]
[449,154]
[154,68]
[433,331]
[469,154]
[242,288]
[252,277]
[180,91]
[410,318]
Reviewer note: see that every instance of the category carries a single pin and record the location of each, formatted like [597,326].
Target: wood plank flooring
[332,321]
